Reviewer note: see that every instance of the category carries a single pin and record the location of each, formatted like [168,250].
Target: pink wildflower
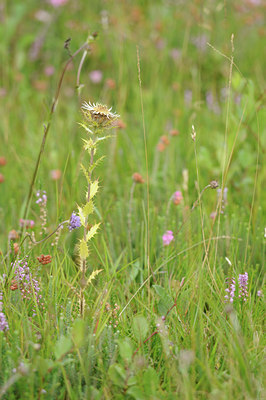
[58,3]
[96,76]
[167,238]
[177,198]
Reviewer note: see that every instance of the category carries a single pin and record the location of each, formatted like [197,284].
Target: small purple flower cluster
[230,290]
[42,199]
[42,202]
[28,286]
[243,285]
[74,222]
[27,223]
[3,321]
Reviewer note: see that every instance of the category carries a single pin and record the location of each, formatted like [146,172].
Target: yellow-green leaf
[83,249]
[94,188]
[87,209]
[85,172]
[81,216]
[93,275]
[92,232]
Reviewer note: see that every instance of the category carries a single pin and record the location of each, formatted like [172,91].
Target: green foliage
[101,334]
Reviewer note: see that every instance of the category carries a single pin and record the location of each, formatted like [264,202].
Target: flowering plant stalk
[97,118]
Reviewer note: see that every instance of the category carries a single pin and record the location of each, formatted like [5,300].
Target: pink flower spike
[177,198]
[168,237]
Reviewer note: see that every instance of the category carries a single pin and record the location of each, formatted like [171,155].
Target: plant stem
[83,278]
[47,128]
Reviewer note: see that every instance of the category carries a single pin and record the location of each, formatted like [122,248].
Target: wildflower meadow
[132,201]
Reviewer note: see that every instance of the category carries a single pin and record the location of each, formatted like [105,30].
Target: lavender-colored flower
[27,223]
[259,293]
[212,103]
[230,290]
[3,321]
[243,286]
[188,97]
[27,285]
[167,238]
[42,198]
[74,222]
[200,42]
[49,70]
[175,54]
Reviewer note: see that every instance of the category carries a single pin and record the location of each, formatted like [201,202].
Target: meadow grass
[154,323]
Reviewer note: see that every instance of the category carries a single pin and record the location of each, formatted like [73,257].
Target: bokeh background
[184,82]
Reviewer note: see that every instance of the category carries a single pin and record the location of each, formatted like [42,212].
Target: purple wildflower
[243,286]
[167,238]
[259,293]
[188,97]
[28,286]
[42,199]
[230,290]
[200,42]
[3,321]
[74,222]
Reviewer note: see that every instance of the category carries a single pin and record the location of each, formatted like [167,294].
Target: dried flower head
[16,248]
[214,184]
[110,83]
[55,174]
[137,178]
[161,147]
[99,115]
[2,161]
[164,139]
[174,132]
[13,235]
[44,259]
